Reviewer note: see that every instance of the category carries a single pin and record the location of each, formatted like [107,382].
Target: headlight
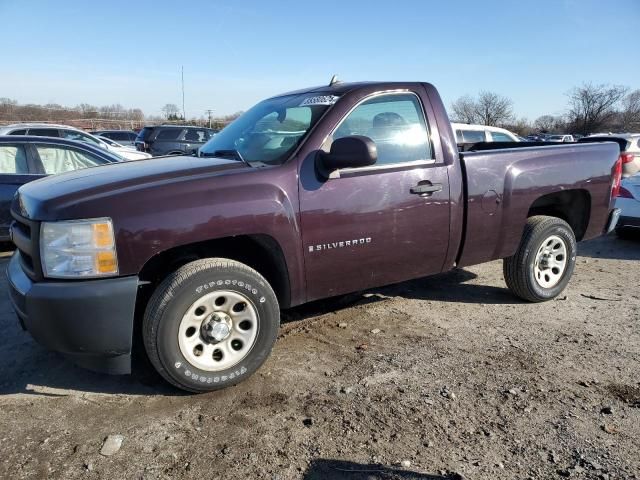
[78,248]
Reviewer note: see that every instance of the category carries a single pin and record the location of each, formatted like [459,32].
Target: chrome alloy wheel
[551,262]
[218,330]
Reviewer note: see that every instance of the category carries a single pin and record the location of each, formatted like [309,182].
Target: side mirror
[350,152]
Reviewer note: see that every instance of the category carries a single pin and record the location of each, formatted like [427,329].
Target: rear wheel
[210,324]
[543,264]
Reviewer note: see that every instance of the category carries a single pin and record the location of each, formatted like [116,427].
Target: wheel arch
[258,251]
[573,206]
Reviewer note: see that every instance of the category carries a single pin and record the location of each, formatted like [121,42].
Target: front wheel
[543,264]
[210,324]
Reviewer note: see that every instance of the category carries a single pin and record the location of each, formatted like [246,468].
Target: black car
[27,158]
[123,137]
[172,139]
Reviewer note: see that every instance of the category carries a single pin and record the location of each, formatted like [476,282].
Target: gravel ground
[440,378]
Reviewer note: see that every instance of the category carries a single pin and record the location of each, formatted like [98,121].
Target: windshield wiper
[230,153]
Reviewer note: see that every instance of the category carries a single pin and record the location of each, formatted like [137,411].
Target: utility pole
[209,112]
[184,115]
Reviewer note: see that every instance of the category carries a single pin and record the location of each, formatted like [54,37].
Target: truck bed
[504,184]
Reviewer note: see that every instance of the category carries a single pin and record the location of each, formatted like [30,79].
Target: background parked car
[467,133]
[629,201]
[560,139]
[629,149]
[123,137]
[172,139]
[535,137]
[62,131]
[27,158]
[128,153]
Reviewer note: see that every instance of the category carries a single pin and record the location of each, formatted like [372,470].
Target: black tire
[519,271]
[178,292]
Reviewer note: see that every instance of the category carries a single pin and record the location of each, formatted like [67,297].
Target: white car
[629,201]
[467,133]
[629,149]
[129,153]
[560,138]
[70,133]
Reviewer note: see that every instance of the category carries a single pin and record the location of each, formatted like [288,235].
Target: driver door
[371,226]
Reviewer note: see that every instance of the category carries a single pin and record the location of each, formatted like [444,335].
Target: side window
[44,132]
[58,159]
[501,137]
[459,138]
[13,159]
[79,136]
[395,123]
[193,135]
[473,136]
[18,132]
[169,134]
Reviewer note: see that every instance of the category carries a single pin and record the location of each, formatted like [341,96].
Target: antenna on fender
[334,80]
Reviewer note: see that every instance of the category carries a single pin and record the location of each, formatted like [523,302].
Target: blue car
[27,158]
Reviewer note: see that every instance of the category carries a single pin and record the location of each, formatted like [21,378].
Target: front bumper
[90,321]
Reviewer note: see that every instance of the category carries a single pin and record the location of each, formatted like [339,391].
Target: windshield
[271,130]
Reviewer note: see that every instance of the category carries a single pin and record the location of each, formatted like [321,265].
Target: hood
[36,200]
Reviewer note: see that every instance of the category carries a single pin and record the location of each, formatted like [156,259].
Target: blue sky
[235,53]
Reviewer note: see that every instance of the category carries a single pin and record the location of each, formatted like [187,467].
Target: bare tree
[493,109]
[7,107]
[545,123]
[519,126]
[170,110]
[136,114]
[630,112]
[88,111]
[464,110]
[489,109]
[593,107]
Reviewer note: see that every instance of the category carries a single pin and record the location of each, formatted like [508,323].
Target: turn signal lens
[102,235]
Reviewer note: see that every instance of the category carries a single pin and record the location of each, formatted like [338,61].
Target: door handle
[426,189]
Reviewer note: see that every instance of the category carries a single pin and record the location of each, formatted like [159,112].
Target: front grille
[25,235]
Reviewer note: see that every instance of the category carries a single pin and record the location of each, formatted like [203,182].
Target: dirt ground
[446,377]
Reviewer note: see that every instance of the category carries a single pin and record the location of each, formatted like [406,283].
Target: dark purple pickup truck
[307,195]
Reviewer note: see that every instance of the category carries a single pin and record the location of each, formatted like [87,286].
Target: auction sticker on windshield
[320,100]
